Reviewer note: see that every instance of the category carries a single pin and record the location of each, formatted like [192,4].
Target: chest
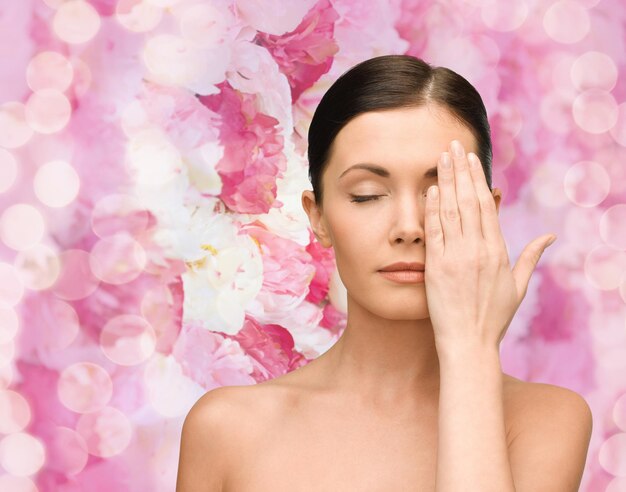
[340,452]
[330,445]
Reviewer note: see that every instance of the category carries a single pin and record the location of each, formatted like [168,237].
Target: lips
[403,266]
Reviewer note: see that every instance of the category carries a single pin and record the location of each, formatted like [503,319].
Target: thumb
[527,262]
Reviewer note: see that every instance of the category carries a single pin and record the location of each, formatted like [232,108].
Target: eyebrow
[381,171]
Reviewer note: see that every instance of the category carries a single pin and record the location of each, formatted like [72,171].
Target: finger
[469,208]
[490,224]
[527,262]
[432,226]
[449,210]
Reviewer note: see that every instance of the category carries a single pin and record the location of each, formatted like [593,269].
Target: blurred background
[152,240]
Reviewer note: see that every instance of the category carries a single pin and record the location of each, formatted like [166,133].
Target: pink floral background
[152,241]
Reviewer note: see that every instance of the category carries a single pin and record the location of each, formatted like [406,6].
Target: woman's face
[369,235]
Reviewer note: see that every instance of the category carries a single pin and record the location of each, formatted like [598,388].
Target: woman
[412,396]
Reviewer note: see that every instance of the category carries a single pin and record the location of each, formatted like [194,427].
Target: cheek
[351,246]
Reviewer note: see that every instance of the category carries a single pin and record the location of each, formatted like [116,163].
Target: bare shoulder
[551,430]
[211,436]
[532,400]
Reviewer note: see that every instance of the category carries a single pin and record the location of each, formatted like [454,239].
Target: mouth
[404,266]
[404,276]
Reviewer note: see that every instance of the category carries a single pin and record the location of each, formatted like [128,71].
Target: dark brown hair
[390,82]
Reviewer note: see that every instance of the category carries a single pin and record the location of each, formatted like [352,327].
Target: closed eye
[363,198]
[367,198]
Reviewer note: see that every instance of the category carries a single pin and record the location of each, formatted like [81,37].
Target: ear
[316,218]
[497,196]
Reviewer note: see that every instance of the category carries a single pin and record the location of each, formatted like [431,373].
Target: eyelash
[363,198]
[366,198]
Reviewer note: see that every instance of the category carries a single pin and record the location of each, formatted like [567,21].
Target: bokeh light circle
[6,376]
[618,131]
[48,111]
[604,267]
[38,267]
[76,280]
[84,387]
[511,119]
[587,183]
[595,111]
[118,259]
[546,183]
[134,119]
[156,307]
[7,353]
[128,339]
[504,16]
[618,484]
[619,412]
[613,226]
[67,451]
[49,70]
[555,110]
[138,15]
[119,213]
[76,22]
[56,184]
[54,4]
[612,454]
[559,67]
[11,286]
[164,4]
[46,148]
[10,483]
[14,412]
[8,170]
[22,454]
[14,130]
[566,21]
[64,325]
[612,158]
[580,232]
[504,151]
[9,323]
[107,432]
[594,70]
[21,226]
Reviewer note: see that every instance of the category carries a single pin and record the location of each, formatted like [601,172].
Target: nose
[408,220]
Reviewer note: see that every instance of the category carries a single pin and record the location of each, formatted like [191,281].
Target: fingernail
[457,148]
[551,241]
[446,162]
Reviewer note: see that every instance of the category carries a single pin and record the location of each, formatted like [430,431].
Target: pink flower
[270,348]
[333,319]
[253,157]
[211,359]
[306,53]
[287,268]
[176,110]
[324,263]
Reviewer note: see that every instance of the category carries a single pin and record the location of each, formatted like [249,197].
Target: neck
[391,361]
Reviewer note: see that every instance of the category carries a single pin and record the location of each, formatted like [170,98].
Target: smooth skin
[388,371]
[467,261]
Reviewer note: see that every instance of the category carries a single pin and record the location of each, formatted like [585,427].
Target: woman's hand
[471,291]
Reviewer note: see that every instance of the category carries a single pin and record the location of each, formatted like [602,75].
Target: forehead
[415,136]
